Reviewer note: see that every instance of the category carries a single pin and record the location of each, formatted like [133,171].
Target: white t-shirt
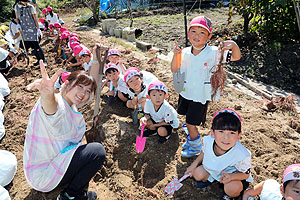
[122,87]
[271,190]
[53,19]
[238,158]
[88,65]
[50,143]
[197,70]
[14,30]
[166,113]
[147,79]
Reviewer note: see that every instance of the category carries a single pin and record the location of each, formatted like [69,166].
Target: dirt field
[129,175]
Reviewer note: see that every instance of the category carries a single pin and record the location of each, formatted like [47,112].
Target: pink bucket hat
[57,25]
[157,85]
[44,11]
[130,72]
[202,22]
[63,29]
[227,110]
[49,8]
[292,172]
[113,52]
[73,44]
[77,49]
[110,66]
[50,25]
[74,35]
[64,76]
[42,20]
[85,52]
[64,35]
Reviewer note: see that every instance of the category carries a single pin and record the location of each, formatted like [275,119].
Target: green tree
[274,18]
[5,9]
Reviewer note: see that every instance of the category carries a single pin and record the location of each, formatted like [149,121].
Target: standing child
[272,190]
[117,87]
[223,158]
[160,117]
[198,63]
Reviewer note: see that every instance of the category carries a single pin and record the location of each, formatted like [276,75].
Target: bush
[6,7]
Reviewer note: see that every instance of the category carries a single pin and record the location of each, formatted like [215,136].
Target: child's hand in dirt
[177,49]
[45,85]
[225,178]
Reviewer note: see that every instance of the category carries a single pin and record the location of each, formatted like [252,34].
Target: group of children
[221,157]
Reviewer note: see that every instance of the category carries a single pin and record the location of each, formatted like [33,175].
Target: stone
[143,45]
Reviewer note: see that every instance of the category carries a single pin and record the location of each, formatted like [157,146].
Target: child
[74,60]
[138,83]
[86,57]
[52,17]
[117,87]
[197,63]
[62,78]
[114,58]
[271,190]
[223,158]
[160,117]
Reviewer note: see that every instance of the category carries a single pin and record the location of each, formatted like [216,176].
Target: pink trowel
[140,141]
[176,184]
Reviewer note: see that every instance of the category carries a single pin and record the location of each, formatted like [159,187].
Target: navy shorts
[168,127]
[195,111]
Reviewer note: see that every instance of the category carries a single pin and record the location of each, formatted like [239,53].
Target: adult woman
[29,26]
[53,153]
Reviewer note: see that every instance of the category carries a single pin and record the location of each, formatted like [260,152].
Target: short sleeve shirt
[198,71]
[166,113]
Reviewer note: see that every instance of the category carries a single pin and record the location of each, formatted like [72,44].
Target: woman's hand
[45,85]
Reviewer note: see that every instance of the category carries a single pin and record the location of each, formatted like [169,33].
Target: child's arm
[196,162]
[177,51]
[122,67]
[236,53]
[75,64]
[256,190]
[237,176]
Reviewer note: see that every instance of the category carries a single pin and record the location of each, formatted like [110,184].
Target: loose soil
[270,136]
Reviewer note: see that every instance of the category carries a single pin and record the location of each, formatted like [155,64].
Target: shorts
[195,111]
[168,127]
[4,67]
[244,183]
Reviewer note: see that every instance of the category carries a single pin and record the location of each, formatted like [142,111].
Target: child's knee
[200,174]
[233,188]
[162,131]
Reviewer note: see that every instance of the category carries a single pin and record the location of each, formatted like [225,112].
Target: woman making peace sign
[53,153]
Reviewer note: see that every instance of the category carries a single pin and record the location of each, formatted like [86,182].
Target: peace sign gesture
[45,85]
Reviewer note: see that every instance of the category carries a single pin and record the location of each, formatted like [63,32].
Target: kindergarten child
[117,86]
[272,190]
[138,83]
[51,17]
[160,117]
[86,57]
[198,63]
[58,83]
[114,58]
[223,158]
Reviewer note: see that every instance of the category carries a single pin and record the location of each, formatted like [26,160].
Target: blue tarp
[110,6]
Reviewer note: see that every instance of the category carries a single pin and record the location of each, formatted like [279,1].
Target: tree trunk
[130,13]
[247,17]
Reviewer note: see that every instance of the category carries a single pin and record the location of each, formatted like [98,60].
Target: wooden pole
[185,24]
[297,10]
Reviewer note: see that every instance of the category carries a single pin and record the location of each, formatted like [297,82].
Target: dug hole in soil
[269,136]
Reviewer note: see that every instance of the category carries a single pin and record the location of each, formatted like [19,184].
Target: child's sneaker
[203,184]
[86,195]
[162,140]
[148,133]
